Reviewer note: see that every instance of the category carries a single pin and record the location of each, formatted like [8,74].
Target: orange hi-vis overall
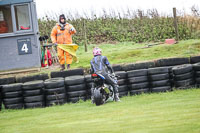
[63,37]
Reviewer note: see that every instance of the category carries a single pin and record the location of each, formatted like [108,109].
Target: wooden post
[175,24]
[85,36]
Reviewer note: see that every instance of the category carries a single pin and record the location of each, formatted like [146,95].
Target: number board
[24,46]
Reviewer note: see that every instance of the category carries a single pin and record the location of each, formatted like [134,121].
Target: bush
[135,26]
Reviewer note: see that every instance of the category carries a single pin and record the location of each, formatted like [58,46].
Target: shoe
[92,99]
[68,66]
[116,97]
[62,67]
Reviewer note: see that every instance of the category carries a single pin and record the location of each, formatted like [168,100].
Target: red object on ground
[45,59]
[170,41]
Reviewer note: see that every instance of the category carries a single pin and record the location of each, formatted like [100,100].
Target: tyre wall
[70,86]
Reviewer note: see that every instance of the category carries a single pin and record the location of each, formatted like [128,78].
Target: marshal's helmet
[97,51]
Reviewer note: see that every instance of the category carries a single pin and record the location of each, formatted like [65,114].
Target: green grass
[128,52]
[171,112]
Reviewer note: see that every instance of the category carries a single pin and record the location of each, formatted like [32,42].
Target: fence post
[175,24]
[85,36]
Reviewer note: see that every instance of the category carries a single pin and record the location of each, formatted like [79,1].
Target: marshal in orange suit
[62,34]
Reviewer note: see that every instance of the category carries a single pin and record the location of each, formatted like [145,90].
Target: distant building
[19,33]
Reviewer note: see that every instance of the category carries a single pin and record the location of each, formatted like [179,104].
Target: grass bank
[174,112]
[128,52]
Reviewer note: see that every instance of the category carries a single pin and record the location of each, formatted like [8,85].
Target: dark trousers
[109,81]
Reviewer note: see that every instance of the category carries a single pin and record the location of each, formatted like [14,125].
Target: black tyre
[88,78]
[144,65]
[33,85]
[72,72]
[136,66]
[34,105]
[181,69]
[36,92]
[184,83]
[197,80]
[184,76]
[128,67]
[98,98]
[32,78]
[55,97]
[74,80]
[123,93]
[25,79]
[54,83]
[158,70]
[32,99]
[67,73]
[161,89]
[76,99]
[158,77]
[197,73]
[57,74]
[89,85]
[121,74]
[55,102]
[76,88]
[139,79]
[14,106]
[172,62]
[77,93]
[55,91]
[8,101]
[11,87]
[139,86]
[194,59]
[137,73]
[9,80]
[44,77]
[117,68]
[160,83]
[140,91]
[123,88]
[121,82]
[12,94]
[196,66]
[0,101]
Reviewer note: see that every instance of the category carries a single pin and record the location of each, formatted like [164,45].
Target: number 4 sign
[24,46]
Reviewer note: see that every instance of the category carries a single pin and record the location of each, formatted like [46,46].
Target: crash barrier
[71,86]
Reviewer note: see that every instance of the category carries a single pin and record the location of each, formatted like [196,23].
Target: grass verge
[174,112]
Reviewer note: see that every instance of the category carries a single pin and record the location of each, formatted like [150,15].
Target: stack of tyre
[183,76]
[33,93]
[171,76]
[0,98]
[122,82]
[75,88]
[8,80]
[67,73]
[159,79]
[31,78]
[12,96]
[89,82]
[55,91]
[138,81]
[196,68]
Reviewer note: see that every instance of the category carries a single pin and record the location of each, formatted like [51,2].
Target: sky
[80,6]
